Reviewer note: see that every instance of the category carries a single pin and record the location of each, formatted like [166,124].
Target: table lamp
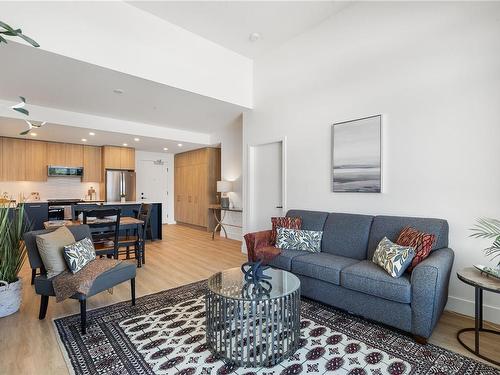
[224,187]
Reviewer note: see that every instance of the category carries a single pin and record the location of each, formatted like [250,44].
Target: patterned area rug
[165,334]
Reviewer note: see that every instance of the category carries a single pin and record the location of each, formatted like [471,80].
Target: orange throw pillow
[284,222]
[422,243]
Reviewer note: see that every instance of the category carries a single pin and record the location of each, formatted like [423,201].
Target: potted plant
[12,256]
[489,229]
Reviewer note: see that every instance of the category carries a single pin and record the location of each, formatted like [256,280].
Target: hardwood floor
[29,346]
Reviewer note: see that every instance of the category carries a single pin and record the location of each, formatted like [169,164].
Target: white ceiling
[59,133]
[51,80]
[230,23]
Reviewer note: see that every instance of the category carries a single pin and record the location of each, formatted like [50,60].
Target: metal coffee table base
[258,333]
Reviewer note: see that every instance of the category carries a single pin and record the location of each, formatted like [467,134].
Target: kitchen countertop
[118,203]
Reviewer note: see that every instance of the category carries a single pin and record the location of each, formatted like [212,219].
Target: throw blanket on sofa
[67,284]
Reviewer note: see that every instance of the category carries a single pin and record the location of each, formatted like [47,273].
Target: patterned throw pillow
[79,254]
[393,258]
[420,241]
[284,222]
[296,239]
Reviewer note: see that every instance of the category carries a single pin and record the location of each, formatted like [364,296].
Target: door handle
[279,206]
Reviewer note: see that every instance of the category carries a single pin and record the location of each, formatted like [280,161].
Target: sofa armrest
[429,282]
[255,241]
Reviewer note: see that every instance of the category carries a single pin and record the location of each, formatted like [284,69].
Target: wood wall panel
[196,174]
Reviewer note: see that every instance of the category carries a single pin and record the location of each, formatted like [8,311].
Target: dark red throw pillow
[284,222]
[422,243]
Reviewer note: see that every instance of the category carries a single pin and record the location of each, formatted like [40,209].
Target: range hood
[58,171]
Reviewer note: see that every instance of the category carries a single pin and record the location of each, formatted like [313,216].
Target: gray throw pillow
[298,239]
[79,254]
[50,246]
[393,258]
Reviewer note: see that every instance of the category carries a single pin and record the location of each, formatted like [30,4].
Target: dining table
[126,223]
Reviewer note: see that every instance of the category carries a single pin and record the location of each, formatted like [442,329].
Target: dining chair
[104,224]
[144,214]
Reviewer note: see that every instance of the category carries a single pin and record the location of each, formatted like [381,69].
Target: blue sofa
[343,274]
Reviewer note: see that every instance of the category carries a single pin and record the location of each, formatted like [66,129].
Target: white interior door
[152,183]
[266,184]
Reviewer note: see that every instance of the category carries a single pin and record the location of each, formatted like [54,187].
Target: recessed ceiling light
[84,139]
[179,144]
[125,144]
[118,91]
[165,149]
[136,139]
[254,37]
[91,133]
[33,134]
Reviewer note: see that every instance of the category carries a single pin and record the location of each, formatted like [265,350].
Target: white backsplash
[55,187]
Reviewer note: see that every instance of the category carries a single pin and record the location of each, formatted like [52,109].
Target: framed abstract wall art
[357,155]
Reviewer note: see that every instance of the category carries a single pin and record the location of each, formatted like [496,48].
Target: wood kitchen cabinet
[36,161]
[56,154]
[92,164]
[118,157]
[13,159]
[74,155]
[196,176]
[64,154]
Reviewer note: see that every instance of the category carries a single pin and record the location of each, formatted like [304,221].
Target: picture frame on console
[357,155]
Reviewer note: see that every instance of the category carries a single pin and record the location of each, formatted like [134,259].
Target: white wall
[158,190]
[433,71]
[230,139]
[53,188]
[118,36]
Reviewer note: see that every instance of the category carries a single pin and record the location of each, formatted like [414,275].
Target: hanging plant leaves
[10,31]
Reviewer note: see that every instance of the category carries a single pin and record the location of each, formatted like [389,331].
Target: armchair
[259,246]
[43,285]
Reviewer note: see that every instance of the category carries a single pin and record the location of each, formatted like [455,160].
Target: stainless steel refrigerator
[118,183]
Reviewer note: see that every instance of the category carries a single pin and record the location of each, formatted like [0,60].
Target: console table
[216,208]
[480,282]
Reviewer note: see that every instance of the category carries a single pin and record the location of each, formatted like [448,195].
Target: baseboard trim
[466,307]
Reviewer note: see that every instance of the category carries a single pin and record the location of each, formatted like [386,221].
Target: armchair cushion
[122,272]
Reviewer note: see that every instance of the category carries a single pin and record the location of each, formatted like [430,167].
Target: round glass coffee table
[253,325]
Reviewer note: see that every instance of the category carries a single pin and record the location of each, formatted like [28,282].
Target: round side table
[480,281]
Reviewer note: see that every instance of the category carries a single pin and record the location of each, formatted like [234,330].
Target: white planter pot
[10,297]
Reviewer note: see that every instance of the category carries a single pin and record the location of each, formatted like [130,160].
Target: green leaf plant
[13,225]
[488,229]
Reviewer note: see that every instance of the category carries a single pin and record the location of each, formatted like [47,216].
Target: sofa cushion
[393,258]
[420,241]
[298,239]
[283,222]
[391,226]
[284,259]
[346,235]
[367,277]
[311,220]
[321,266]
